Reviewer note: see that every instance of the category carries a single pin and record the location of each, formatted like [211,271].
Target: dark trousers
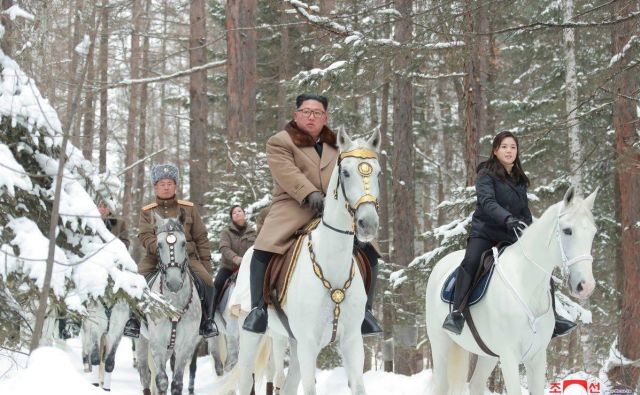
[475,247]
[222,277]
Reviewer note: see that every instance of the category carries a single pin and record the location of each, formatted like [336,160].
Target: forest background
[204,84]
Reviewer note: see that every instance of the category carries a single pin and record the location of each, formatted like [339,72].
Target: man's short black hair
[310,96]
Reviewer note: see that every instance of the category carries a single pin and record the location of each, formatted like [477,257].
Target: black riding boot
[132,327]
[208,327]
[563,326]
[257,319]
[370,325]
[455,320]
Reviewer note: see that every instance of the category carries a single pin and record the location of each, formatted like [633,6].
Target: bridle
[170,228]
[365,170]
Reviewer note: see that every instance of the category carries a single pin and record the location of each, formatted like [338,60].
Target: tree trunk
[470,114]
[198,163]
[482,51]
[104,80]
[144,93]
[625,119]
[163,96]
[133,109]
[403,191]
[241,69]
[88,111]
[73,65]
[284,69]
[8,41]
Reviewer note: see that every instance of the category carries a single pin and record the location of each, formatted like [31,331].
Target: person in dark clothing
[301,159]
[502,212]
[235,240]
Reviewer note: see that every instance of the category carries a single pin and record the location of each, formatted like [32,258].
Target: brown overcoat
[235,241]
[195,232]
[297,170]
[118,228]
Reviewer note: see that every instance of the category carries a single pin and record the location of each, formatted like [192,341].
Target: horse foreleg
[278,351]
[484,367]
[292,380]
[440,347]
[307,356]
[536,369]
[231,342]
[214,349]
[353,357]
[112,343]
[249,343]
[192,371]
[511,374]
[160,362]
[143,363]
[94,358]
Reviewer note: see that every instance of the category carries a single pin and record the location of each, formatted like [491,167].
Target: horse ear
[375,140]
[569,195]
[344,141]
[591,199]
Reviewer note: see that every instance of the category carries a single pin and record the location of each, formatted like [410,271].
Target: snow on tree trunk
[103,60]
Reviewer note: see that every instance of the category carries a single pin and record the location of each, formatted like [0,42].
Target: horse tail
[230,380]
[457,368]
[262,356]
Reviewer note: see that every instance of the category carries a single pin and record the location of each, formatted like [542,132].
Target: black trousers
[221,278]
[475,247]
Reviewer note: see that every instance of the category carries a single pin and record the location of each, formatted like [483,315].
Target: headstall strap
[365,170]
[337,294]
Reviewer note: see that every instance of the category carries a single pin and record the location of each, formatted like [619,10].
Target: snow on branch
[15,11]
[355,37]
[206,66]
[567,25]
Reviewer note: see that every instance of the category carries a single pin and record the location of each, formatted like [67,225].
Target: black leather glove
[315,201]
[515,224]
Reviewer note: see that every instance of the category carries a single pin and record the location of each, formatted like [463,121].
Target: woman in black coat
[502,212]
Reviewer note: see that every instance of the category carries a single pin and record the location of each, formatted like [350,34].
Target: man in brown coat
[301,159]
[165,178]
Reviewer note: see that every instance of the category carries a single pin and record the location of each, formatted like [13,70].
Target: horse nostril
[580,287]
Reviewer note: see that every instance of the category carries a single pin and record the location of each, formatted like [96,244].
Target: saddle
[228,283]
[281,267]
[481,279]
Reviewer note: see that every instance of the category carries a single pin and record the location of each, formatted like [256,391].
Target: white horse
[177,335]
[101,334]
[326,297]
[514,319]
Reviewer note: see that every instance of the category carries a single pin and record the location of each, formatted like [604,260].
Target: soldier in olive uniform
[165,179]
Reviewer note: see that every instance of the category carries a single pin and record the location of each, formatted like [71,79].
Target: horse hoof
[146,391]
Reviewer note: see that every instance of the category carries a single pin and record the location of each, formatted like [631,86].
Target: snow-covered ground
[58,371]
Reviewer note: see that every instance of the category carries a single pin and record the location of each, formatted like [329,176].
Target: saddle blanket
[476,294]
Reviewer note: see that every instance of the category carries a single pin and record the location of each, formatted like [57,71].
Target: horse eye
[567,231]
[345,173]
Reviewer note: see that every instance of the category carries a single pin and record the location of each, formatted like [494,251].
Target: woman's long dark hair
[494,166]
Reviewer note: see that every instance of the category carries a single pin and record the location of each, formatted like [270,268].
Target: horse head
[575,232]
[359,173]
[172,250]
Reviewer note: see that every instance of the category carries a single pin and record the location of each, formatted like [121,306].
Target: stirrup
[256,321]
[370,325]
[562,326]
[132,329]
[454,322]
[209,329]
